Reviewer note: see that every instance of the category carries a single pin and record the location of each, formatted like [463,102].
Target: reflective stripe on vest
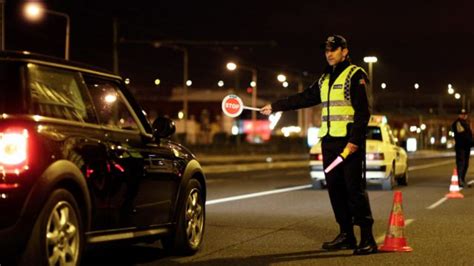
[337,111]
[338,118]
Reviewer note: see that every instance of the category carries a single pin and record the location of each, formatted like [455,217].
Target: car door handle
[157,163]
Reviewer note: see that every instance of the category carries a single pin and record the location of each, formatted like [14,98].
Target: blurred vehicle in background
[387,163]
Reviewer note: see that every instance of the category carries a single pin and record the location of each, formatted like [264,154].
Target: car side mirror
[163,127]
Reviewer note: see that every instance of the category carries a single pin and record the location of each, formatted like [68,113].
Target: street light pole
[68,33]
[2,21]
[68,29]
[301,118]
[33,11]
[185,86]
[115,57]
[370,60]
[254,99]
[232,66]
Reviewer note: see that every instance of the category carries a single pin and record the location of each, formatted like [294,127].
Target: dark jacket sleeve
[309,97]
[360,104]
[463,138]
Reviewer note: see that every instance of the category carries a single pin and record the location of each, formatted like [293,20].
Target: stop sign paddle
[233,106]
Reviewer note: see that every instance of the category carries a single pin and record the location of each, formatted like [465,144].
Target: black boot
[367,243]
[342,241]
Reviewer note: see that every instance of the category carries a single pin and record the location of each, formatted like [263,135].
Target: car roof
[374,125]
[29,56]
[378,119]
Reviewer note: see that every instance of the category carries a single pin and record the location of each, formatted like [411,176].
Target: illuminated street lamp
[220,83]
[157,82]
[383,86]
[370,60]
[458,96]
[450,90]
[281,78]
[34,11]
[231,66]
[416,86]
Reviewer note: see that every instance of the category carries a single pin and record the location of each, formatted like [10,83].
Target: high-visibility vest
[337,111]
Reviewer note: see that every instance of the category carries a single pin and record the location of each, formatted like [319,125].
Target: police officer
[463,142]
[341,90]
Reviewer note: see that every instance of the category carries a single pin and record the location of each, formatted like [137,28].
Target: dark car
[80,164]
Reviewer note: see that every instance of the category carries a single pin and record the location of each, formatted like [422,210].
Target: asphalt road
[279,227]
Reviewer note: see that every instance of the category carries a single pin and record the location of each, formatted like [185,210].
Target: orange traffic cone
[394,238]
[454,187]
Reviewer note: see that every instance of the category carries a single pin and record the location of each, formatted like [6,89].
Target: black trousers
[462,163]
[347,186]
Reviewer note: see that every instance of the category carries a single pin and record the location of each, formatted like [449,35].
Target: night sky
[428,42]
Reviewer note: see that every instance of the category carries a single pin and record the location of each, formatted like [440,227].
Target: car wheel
[188,236]
[57,236]
[389,183]
[403,180]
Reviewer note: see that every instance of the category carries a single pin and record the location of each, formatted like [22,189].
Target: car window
[139,112]
[111,108]
[58,93]
[374,133]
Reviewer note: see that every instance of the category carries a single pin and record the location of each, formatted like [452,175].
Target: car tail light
[13,150]
[316,156]
[375,156]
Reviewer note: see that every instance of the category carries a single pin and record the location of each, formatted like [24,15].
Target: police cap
[333,42]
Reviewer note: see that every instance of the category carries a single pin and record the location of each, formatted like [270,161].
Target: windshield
[10,88]
[374,133]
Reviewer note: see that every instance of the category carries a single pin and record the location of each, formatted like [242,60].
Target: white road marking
[258,194]
[443,199]
[381,238]
[436,204]
[270,192]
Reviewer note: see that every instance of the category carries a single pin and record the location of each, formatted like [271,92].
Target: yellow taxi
[387,163]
